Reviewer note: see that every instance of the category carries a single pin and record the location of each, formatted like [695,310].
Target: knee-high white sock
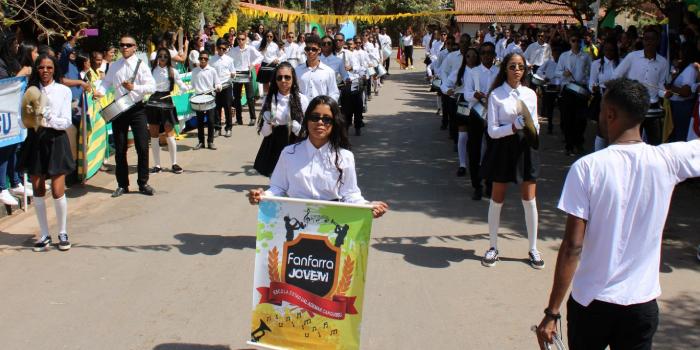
[462,148]
[531,218]
[172,148]
[61,205]
[40,206]
[494,222]
[600,143]
[155,149]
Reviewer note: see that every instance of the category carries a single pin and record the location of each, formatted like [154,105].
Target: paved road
[174,271]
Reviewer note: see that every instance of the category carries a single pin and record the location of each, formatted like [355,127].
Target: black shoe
[199,145]
[156,170]
[252,122]
[218,132]
[42,245]
[119,191]
[212,146]
[478,194]
[63,243]
[177,169]
[461,172]
[358,132]
[147,190]
[535,260]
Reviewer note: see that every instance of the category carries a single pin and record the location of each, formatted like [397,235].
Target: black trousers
[654,129]
[386,64]
[445,112]
[601,324]
[352,108]
[548,102]
[574,117]
[223,100]
[408,52]
[237,88]
[210,125]
[475,137]
[136,119]
[452,117]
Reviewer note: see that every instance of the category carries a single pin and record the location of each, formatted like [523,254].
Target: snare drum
[552,89]
[479,110]
[371,71]
[655,113]
[578,91]
[202,103]
[117,107]
[242,77]
[463,110]
[437,82]
[537,80]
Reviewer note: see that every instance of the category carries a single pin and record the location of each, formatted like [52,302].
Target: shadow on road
[193,243]
[679,323]
[238,188]
[432,257]
[185,346]
[15,240]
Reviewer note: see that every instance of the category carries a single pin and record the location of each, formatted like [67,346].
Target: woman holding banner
[46,151]
[282,114]
[320,166]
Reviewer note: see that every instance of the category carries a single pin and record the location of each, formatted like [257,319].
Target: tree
[47,16]
[581,9]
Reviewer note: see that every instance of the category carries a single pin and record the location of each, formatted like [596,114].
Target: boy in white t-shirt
[617,200]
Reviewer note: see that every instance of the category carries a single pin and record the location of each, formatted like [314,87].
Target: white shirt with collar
[451,81]
[160,75]
[224,65]
[578,64]
[374,54]
[513,47]
[272,52]
[245,59]
[623,192]
[358,69]
[435,49]
[205,79]
[537,54]
[652,72]
[279,109]
[687,77]
[502,109]
[501,48]
[601,73]
[426,43]
[59,104]
[488,38]
[291,51]
[450,63]
[407,40]
[317,81]
[549,70]
[336,63]
[122,70]
[437,62]
[304,171]
[478,79]
[384,40]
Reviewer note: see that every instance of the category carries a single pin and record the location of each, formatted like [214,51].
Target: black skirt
[265,75]
[46,153]
[271,148]
[510,159]
[162,113]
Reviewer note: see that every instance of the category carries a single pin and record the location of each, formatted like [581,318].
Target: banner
[310,267]
[11,93]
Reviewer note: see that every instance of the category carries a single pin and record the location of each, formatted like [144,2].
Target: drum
[269,68]
[202,103]
[552,88]
[655,113]
[479,110]
[117,107]
[381,71]
[537,80]
[463,109]
[578,91]
[386,50]
[436,83]
[371,71]
[242,76]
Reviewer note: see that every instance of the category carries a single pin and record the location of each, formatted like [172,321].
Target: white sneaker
[7,199]
[20,190]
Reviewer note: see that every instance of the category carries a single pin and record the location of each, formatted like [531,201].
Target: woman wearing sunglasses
[510,156]
[272,56]
[320,166]
[282,114]
[161,111]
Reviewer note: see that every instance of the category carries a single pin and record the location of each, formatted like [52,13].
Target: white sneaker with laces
[20,190]
[536,260]
[7,199]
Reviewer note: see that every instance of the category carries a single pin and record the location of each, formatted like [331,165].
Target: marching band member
[510,156]
[450,63]
[292,50]
[245,58]
[353,103]
[650,69]
[552,88]
[272,56]
[426,41]
[436,45]
[573,67]
[364,62]
[502,44]
[453,85]
[205,80]
[375,59]
[445,48]
[129,75]
[385,44]
[301,171]
[491,35]
[408,47]
[328,57]
[166,77]
[476,87]
[46,152]
[538,52]
[683,86]
[223,63]
[316,78]
[283,112]
[514,46]
[602,70]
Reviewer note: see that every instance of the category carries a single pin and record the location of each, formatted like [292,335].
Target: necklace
[627,141]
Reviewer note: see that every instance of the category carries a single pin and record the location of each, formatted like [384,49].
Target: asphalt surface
[174,271]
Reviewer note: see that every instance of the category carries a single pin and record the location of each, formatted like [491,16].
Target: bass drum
[381,71]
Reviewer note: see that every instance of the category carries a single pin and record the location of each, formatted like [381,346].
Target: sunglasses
[224,48]
[240,39]
[284,78]
[270,36]
[327,43]
[516,67]
[126,45]
[163,57]
[204,58]
[486,53]
[311,49]
[315,117]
